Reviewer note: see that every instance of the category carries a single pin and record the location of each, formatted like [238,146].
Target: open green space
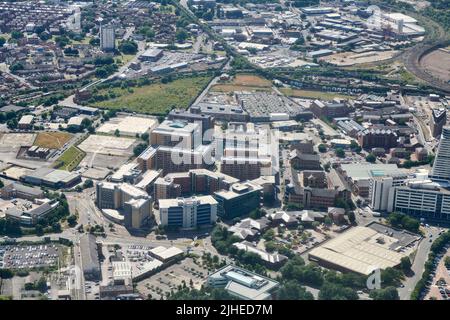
[310,94]
[70,159]
[157,98]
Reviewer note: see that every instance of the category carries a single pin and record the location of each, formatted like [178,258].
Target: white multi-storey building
[381,187]
[188,213]
[422,199]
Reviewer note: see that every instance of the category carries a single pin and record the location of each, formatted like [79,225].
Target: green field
[155,98]
[70,159]
[310,94]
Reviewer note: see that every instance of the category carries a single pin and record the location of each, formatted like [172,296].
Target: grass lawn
[244,82]
[125,58]
[157,98]
[309,94]
[70,159]
[52,140]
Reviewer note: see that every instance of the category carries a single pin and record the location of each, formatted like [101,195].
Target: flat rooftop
[361,171]
[243,283]
[360,250]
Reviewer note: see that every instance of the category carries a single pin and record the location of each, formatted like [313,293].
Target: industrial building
[360,249]
[89,258]
[52,178]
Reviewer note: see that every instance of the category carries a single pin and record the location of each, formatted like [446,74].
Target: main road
[418,264]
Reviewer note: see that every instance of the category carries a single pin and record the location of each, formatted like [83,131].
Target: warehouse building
[360,249]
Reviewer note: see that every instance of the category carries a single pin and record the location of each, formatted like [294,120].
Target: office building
[242,283]
[381,187]
[188,213]
[206,121]
[177,133]
[441,165]
[336,108]
[377,138]
[174,159]
[438,121]
[30,216]
[247,151]
[18,190]
[137,212]
[422,198]
[358,175]
[303,161]
[130,205]
[240,199]
[107,38]
[147,159]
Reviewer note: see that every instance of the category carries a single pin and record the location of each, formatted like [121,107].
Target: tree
[39,230]
[1,184]
[388,293]
[16,34]
[128,47]
[351,217]
[44,36]
[41,285]
[6,274]
[405,264]
[86,122]
[322,148]
[2,41]
[371,158]
[145,136]
[16,67]
[340,152]
[293,291]
[269,235]
[181,35]
[355,146]
[101,73]
[334,291]
[139,149]
[88,184]
[327,221]
[447,262]
[391,277]
[72,220]
[117,133]
[56,227]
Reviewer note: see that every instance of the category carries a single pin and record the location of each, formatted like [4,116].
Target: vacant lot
[70,159]
[437,63]
[110,145]
[156,98]
[312,94]
[52,140]
[350,58]
[244,82]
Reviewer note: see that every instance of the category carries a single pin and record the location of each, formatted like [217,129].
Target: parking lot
[28,257]
[440,285]
[171,278]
